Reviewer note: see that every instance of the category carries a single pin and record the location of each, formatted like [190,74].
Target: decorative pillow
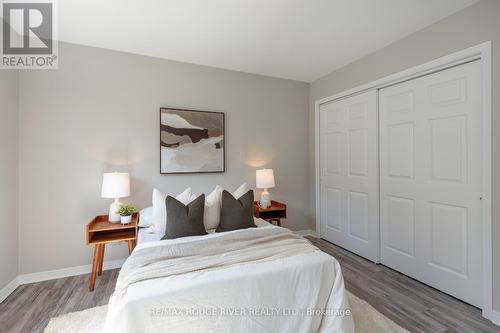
[241,190]
[185,220]
[236,213]
[146,217]
[212,208]
[160,210]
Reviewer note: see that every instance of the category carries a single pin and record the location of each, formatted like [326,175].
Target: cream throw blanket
[229,249]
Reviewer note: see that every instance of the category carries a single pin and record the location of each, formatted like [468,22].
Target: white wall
[99,112]
[472,26]
[8,176]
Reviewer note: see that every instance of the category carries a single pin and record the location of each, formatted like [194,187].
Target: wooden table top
[275,206]
[101,223]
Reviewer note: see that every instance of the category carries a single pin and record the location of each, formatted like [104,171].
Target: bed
[303,292]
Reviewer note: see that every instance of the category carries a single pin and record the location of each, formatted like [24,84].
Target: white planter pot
[126,219]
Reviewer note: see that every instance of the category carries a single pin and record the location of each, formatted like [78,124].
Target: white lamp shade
[264,178]
[115,185]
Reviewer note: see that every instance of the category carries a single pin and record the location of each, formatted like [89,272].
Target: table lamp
[115,186]
[264,178]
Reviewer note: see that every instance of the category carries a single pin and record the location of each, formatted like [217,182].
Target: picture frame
[192,141]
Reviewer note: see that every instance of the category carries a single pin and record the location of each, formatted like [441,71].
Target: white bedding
[143,236]
[283,295]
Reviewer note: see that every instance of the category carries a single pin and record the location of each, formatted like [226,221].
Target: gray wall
[8,176]
[472,26]
[99,112]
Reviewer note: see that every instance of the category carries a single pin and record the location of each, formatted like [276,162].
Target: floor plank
[411,304]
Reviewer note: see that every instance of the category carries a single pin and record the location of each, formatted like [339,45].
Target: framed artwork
[191,141]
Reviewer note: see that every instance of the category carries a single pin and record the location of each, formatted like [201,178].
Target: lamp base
[265,199]
[112,216]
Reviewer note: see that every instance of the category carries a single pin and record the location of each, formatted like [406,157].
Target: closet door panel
[431,180]
[349,174]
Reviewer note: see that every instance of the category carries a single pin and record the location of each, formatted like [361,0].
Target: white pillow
[146,217]
[213,203]
[240,191]
[159,220]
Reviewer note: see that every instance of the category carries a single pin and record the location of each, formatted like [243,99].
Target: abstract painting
[191,141]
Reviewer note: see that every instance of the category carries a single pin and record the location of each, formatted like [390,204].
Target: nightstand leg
[278,222]
[95,260]
[98,258]
[101,258]
[130,246]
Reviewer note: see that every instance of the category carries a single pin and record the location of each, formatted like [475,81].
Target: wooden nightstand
[101,232]
[274,213]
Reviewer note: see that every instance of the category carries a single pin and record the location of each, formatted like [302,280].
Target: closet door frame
[480,52]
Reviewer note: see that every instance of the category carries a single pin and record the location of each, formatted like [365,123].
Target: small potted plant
[125,213]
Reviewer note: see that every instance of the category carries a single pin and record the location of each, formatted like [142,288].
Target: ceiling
[294,39]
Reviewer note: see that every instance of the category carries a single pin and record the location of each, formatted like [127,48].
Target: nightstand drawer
[272,215]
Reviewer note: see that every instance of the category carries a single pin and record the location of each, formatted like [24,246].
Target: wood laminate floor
[409,303]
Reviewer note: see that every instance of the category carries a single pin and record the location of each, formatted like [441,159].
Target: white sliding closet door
[349,174]
[431,180]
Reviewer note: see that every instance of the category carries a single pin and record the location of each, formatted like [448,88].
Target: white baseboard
[54,274]
[65,272]
[8,289]
[495,317]
[306,232]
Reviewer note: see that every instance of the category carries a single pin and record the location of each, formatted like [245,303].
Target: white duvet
[300,293]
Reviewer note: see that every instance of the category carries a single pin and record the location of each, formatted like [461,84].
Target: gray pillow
[236,213]
[185,220]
